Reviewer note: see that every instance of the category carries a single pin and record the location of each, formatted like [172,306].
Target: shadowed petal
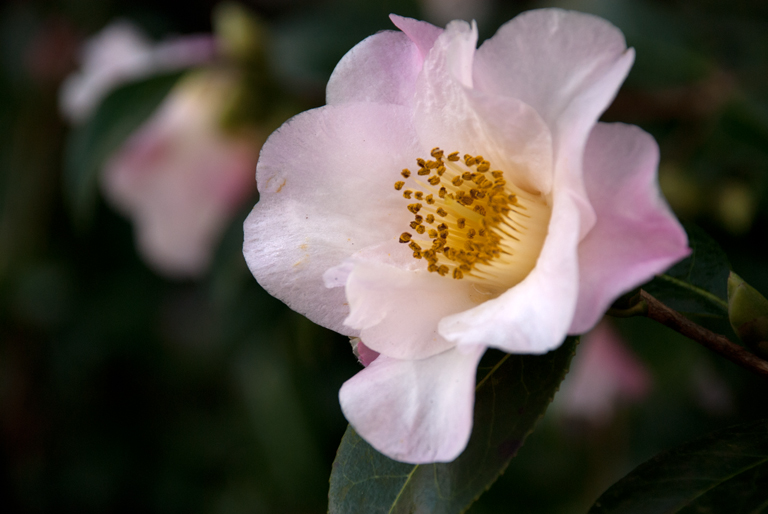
[396,304]
[533,316]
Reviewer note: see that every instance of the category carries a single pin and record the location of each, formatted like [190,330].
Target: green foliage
[726,471]
[89,145]
[512,394]
[748,313]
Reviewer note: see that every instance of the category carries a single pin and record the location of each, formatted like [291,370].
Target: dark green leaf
[513,392]
[726,471]
[90,145]
[697,285]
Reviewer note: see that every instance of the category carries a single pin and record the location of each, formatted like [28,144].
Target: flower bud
[241,34]
[748,313]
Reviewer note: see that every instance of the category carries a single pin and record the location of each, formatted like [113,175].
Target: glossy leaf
[512,393]
[726,471]
[90,145]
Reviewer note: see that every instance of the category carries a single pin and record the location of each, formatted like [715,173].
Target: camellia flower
[181,178]
[451,198]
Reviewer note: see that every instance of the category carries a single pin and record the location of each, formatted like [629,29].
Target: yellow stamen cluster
[466,210]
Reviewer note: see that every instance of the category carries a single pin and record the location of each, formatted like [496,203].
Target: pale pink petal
[414,411]
[364,354]
[381,68]
[568,66]
[396,304]
[506,131]
[181,179]
[326,191]
[533,316]
[636,235]
[422,34]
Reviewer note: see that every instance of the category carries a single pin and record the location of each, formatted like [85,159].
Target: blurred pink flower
[181,178]
[121,53]
[527,233]
[604,375]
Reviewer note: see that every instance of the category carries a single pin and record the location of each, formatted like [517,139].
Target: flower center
[470,223]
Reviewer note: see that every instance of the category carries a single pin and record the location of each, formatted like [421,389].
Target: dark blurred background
[122,390]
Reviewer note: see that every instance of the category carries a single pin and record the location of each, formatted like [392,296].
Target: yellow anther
[406,173]
[474,206]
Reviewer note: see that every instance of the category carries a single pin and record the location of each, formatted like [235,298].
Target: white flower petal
[568,66]
[396,304]
[325,179]
[414,410]
[534,316]
[504,130]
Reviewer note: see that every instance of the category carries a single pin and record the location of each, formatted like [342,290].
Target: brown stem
[657,311]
